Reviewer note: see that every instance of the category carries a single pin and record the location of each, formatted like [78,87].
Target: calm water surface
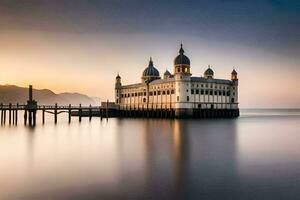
[256,156]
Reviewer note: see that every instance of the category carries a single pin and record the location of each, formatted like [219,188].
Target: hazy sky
[80,46]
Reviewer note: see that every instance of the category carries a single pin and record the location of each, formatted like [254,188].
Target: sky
[80,46]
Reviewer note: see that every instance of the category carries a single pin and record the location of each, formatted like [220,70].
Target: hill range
[15,94]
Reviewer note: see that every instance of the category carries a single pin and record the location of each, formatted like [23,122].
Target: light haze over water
[256,156]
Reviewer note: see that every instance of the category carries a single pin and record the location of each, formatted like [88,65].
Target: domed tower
[150,73]
[234,89]
[182,77]
[181,63]
[118,86]
[209,73]
[234,75]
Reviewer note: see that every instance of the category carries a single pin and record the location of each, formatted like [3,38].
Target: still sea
[255,156]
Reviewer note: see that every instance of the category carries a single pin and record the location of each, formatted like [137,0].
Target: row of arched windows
[210,92]
[151,93]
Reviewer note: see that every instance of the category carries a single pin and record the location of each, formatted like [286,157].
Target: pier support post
[25,117]
[34,117]
[9,114]
[90,112]
[100,113]
[1,108]
[69,113]
[43,115]
[17,110]
[4,117]
[107,109]
[16,115]
[80,112]
[30,117]
[55,113]
[13,116]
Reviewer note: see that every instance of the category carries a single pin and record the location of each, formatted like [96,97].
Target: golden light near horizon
[88,64]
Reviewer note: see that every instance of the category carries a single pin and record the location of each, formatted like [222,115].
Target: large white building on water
[180,92]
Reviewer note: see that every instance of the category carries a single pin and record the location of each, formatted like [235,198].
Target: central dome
[150,70]
[181,59]
[150,73]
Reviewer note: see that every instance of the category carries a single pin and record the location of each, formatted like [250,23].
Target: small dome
[181,59]
[209,73]
[118,76]
[167,73]
[150,70]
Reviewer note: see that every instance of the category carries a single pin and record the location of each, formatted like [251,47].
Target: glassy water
[256,156]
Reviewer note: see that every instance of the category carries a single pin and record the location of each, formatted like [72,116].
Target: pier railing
[30,109]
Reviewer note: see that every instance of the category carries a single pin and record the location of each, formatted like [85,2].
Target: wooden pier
[10,112]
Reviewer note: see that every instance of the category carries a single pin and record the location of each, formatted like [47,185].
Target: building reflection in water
[157,159]
[166,157]
[178,157]
[181,155]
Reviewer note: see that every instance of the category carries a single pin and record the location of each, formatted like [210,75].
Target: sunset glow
[52,54]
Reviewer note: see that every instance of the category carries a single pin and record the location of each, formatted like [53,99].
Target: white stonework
[179,91]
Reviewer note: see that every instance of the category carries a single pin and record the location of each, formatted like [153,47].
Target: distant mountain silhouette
[14,94]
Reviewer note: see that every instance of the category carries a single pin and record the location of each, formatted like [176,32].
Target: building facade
[179,91]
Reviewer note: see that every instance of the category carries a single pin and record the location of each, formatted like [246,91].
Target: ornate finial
[208,66]
[181,51]
[150,62]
